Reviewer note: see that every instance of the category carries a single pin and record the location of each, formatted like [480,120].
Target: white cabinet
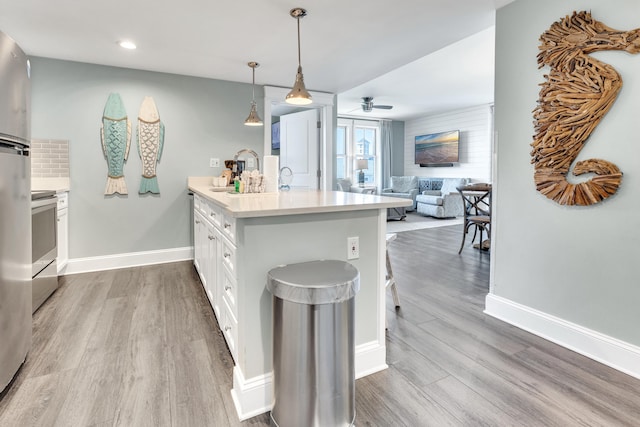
[63,231]
[199,232]
[215,258]
[211,268]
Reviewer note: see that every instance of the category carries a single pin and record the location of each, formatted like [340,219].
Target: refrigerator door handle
[11,147]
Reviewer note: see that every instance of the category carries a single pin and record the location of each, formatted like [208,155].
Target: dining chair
[477,212]
[390,280]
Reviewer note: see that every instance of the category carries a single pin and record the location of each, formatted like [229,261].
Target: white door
[299,147]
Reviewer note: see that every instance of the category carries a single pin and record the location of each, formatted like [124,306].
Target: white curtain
[385,138]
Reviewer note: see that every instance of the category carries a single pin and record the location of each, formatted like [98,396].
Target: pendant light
[298,94]
[253,119]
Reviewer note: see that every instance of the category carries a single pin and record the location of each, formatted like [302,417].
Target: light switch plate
[214,163]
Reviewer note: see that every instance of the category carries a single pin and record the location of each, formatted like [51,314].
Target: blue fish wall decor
[115,135]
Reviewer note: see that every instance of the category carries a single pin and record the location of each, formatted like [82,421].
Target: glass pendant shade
[298,94]
[253,119]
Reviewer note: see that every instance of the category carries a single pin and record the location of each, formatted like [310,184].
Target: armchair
[405,187]
[347,186]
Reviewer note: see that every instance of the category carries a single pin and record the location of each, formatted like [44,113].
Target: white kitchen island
[238,238]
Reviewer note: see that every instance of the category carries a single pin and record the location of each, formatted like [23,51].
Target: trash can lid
[314,282]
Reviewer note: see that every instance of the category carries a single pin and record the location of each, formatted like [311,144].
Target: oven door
[44,220]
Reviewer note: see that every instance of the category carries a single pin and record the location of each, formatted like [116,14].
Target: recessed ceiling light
[127,44]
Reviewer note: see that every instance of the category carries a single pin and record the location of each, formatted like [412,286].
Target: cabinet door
[63,239]
[199,235]
[211,242]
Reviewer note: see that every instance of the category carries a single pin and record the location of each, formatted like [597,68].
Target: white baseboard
[610,351]
[254,396]
[132,259]
[369,358]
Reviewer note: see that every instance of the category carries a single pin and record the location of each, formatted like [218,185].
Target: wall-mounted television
[275,136]
[437,149]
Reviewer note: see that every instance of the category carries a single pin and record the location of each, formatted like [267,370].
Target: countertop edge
[355,202]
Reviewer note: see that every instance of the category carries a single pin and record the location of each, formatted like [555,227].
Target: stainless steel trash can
[313,343]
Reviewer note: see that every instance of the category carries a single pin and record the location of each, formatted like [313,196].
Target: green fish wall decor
[115,135]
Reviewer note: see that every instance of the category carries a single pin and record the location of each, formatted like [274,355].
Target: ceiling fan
[368,106]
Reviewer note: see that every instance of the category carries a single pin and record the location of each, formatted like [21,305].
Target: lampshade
[362,164]
[298,94]
[253,119]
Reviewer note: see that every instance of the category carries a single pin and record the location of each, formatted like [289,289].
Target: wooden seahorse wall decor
[576,95]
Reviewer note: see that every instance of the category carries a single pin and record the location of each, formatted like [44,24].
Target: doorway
[324,104]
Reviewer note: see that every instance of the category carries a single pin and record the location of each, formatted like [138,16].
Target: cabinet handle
[227,328]
[227,225]
[226,288]
[197,222]
[227,254]
[211,238]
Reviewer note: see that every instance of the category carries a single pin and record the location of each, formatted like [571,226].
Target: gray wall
[203,118]
[576,263]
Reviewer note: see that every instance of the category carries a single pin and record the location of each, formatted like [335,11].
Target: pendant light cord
[253,86]
[299,61]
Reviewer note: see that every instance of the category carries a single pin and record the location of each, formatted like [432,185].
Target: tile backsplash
[49,158]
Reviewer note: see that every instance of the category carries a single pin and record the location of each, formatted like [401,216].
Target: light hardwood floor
[140,347]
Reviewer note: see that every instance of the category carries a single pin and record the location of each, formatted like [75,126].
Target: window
[358,140]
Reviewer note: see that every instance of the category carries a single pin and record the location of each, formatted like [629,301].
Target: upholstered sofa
[405,187]
[440,198]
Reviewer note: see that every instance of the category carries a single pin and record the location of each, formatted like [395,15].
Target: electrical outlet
[250,162]
[214,163]
[353,247]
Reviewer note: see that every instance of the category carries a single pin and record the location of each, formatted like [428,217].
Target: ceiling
[348,47]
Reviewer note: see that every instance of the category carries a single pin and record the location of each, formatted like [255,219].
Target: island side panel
[264,243]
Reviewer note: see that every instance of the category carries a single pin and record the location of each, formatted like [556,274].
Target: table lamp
[361,165]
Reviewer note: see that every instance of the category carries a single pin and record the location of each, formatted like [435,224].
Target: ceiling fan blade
[383,107]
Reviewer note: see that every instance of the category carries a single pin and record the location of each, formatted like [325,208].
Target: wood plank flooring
[140,347]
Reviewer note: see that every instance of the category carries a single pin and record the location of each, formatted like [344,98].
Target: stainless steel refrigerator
[15,209]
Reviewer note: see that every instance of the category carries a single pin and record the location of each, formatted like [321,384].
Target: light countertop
[59,185]
[290,202]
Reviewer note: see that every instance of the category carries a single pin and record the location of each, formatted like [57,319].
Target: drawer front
[199,204]
[228,256]
[229,290]
[230,331]
[63,200]
[214,214]
[229,227]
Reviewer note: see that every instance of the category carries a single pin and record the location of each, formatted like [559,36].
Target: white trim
[254,396]
[370,358]
[132,259]
[610,351]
